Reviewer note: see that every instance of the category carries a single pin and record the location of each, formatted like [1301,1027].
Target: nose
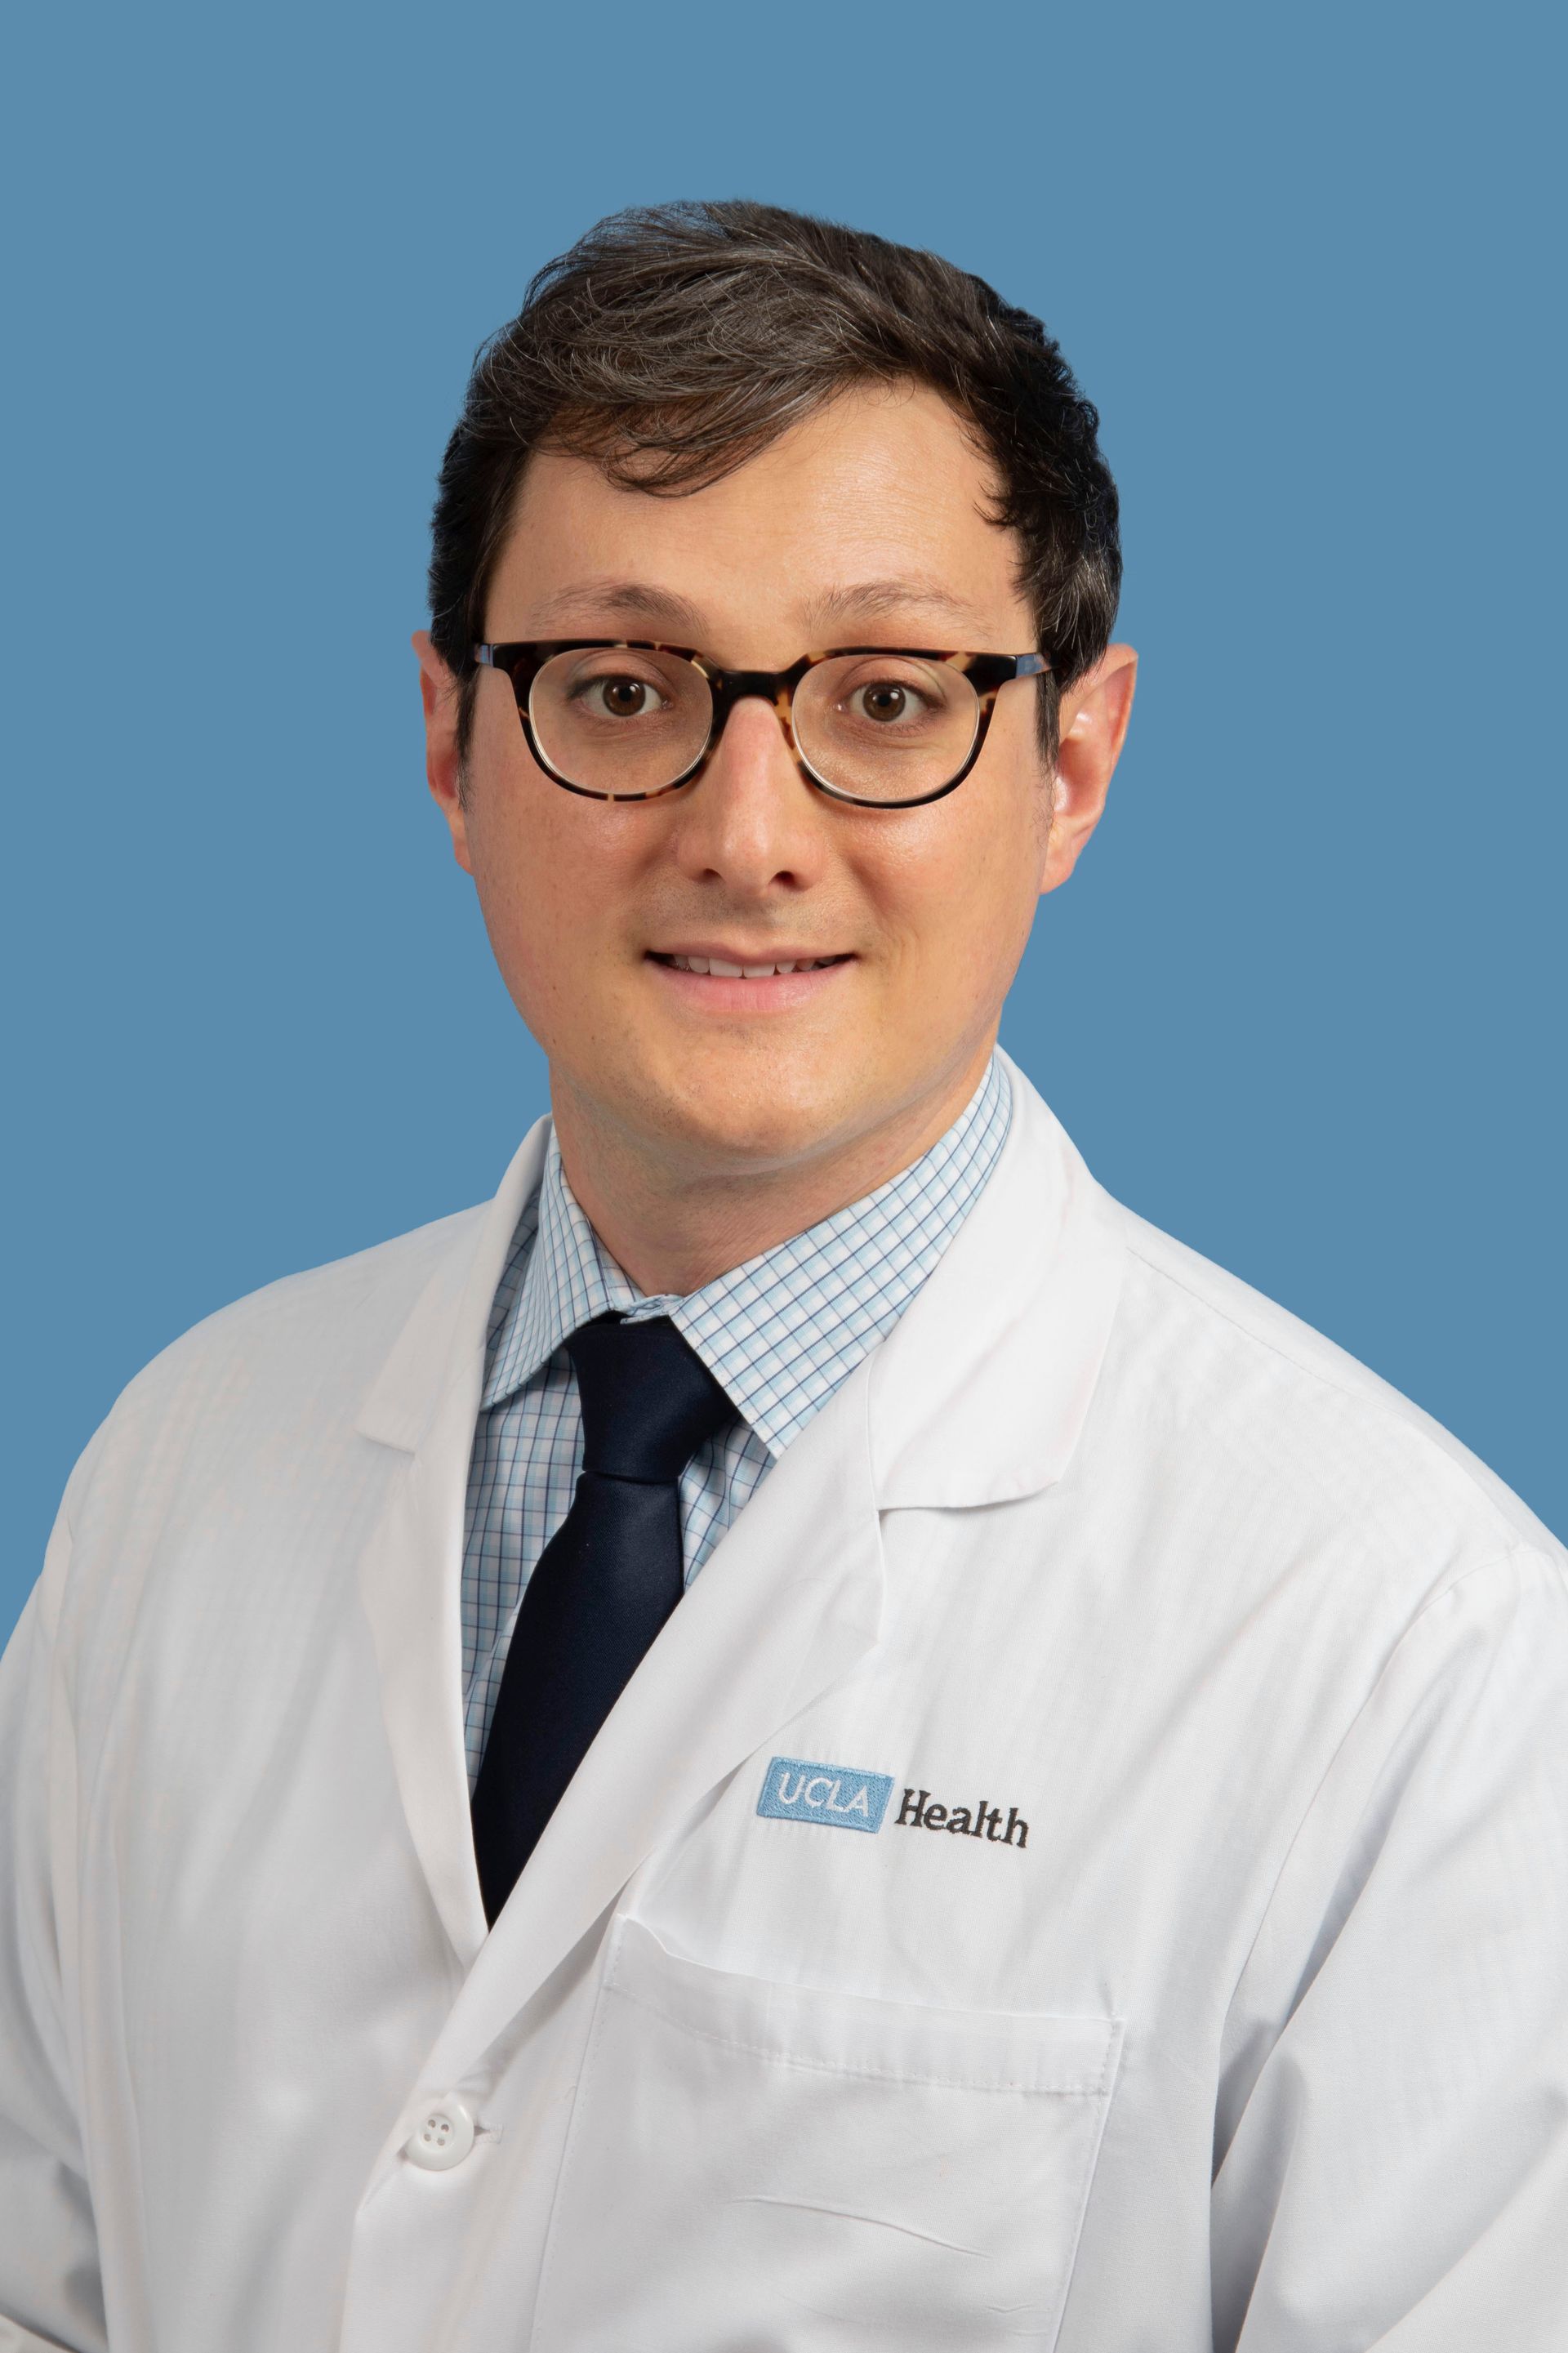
[751,822]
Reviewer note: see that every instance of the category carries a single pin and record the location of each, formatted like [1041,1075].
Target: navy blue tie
[605,1584]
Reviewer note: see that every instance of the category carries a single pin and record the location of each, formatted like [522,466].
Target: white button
[442,2137]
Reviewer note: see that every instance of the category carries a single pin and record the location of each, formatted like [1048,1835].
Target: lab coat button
[442,2137]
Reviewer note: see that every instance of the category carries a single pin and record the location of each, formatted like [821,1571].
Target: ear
[1093,725]
[443,768]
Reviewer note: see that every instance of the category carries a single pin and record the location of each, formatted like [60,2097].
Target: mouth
[727,968]
[708,983]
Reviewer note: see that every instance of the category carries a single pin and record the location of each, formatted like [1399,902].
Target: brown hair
[671,343]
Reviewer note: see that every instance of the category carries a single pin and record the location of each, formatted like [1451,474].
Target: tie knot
[648,1400]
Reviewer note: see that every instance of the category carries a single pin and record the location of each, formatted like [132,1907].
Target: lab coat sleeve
[50,2291]
[1392,2133]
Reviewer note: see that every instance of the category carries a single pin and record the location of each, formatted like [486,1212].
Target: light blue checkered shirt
[779,1335]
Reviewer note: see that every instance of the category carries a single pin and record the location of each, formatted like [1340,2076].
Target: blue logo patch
[796,1791]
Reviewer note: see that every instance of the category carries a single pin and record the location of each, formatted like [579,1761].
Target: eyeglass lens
[880,727]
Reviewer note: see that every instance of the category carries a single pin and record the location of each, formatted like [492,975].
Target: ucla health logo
[796,1789]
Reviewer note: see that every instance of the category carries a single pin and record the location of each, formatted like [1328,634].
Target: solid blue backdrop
[1302,1003]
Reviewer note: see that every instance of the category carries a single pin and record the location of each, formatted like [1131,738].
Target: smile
[722,968]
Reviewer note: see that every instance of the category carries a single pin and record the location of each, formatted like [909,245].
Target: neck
[673,1224]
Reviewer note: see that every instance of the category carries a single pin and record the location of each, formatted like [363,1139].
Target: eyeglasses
[621,719]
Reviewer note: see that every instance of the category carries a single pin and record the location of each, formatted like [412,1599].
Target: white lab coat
[1256,2037]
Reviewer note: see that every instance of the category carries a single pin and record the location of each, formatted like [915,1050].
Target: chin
[755,1120]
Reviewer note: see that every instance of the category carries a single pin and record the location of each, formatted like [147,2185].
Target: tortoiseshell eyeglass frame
[986,673]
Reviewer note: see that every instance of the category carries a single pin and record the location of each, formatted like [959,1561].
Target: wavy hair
[674,342]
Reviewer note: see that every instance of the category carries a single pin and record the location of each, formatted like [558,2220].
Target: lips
[723,968]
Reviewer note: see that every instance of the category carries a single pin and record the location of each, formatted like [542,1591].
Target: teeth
[720,970]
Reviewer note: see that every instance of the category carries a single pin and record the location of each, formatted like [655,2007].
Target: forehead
[879,501]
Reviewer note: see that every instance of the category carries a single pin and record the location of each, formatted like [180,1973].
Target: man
[799,1734]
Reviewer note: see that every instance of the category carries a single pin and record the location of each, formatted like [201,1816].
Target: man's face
[865,525]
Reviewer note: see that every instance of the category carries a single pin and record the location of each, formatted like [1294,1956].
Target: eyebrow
[624,601]
[868,600]
[666,608]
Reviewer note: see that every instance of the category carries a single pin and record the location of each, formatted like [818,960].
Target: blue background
[1301,1006]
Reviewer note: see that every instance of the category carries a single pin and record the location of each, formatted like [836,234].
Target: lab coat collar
[423,1405]
[441,1348]
[977,1397]
[979,1392]
[1027,1290]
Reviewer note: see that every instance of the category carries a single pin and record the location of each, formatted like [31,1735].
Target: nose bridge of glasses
[729,687]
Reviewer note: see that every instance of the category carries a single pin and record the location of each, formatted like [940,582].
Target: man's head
[734,429]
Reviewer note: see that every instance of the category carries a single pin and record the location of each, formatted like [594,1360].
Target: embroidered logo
[794,1789]
[917,1813]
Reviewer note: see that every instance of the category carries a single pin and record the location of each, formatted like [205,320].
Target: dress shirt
[779,1333]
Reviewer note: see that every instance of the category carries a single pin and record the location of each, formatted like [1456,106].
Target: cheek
[522,879]
[963,894]
[554,876]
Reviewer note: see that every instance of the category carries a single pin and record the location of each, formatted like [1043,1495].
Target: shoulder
[356,1304]
[299,1354]
[1255,1402]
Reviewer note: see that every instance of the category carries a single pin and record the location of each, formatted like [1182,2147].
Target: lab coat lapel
[977,1397]
[424,1406]
[980,1391]
[789,1601]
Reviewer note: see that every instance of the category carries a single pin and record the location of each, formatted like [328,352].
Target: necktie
[605,1584]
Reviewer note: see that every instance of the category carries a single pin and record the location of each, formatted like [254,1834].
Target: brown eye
[891,703]
[624,698]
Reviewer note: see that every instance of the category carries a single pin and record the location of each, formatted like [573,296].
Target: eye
[620,697]
[889,701]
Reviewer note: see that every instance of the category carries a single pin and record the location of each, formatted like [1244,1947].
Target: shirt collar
[559,1275]
[780,1332]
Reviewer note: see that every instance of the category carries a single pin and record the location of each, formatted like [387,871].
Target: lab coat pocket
[758,2167]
